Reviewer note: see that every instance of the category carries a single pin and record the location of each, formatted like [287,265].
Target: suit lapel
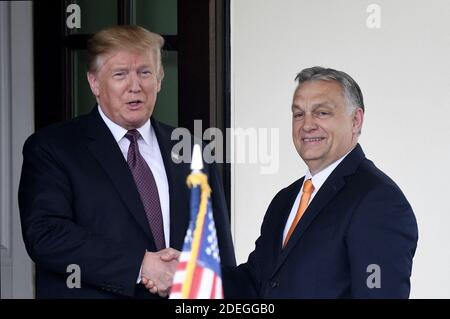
[285,211]
[105,149]
[334,183]
[178,191]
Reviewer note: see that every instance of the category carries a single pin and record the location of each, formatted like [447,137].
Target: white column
[5,152]
[16,120]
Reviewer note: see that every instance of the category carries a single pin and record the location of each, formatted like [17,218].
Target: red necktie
[148,191]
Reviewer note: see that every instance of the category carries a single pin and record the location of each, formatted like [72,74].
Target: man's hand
[149,284]
[158,270]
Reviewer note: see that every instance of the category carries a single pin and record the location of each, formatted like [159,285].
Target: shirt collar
[119,132]
[319,178]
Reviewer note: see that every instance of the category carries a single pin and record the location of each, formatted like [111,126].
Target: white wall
[403,69]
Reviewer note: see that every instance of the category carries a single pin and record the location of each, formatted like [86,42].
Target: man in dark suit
[345,229]
[102,191]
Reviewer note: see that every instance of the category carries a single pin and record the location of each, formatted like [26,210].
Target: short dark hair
[351,89]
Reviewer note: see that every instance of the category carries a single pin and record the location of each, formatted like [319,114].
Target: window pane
[83,99]
[159,16]
[166,108]
[95,15]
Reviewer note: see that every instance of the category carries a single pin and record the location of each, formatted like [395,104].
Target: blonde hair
[124,37]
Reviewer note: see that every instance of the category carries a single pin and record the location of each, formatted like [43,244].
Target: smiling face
[323,128]
[126,85]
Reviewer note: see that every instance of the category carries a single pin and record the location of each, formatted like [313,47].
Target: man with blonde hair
[101,194]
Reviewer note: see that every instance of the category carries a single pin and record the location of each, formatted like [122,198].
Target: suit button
[274,284]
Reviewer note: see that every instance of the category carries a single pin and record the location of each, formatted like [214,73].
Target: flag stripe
[206,284]
[198,273]
[213,290]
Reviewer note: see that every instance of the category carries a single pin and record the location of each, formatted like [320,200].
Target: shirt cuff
[138,281]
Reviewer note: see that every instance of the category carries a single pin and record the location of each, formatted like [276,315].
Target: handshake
[158,269]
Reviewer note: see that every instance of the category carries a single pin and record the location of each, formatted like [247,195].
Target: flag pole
[194,179]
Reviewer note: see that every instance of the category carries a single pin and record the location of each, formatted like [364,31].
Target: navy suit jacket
[357,221]
[79,205]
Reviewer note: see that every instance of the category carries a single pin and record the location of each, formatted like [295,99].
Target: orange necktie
[308,189]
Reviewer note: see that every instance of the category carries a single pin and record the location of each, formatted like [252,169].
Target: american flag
[198,275]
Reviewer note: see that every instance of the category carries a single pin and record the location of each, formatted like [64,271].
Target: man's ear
[158,85]
[93,83]
[358,119]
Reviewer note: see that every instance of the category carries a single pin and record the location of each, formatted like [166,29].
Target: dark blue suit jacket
[79,205]
[358,218]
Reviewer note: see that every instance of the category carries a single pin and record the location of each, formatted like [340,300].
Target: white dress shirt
[317,180]
[149,149]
